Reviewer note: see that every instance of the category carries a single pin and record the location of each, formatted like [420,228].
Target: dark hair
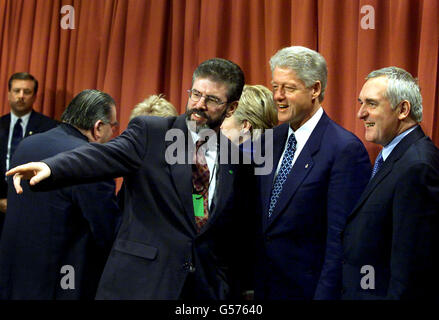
[88,107]
[224,71]
[23,76]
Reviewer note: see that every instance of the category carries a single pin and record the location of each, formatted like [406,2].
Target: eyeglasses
[210,101]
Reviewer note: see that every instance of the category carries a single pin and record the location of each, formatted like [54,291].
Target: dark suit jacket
[300,247]
[395,227]
[158,246]
[45,231]
[37,123]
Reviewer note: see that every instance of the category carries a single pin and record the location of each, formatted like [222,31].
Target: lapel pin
[231,171]
[306,166]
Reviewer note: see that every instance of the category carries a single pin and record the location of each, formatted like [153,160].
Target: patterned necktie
[287,163]
[378,164]
[200,181]
[17,135]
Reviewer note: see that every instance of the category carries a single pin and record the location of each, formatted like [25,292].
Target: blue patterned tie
[287,163]
[378,164]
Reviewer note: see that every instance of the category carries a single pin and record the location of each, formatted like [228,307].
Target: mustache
[200,112]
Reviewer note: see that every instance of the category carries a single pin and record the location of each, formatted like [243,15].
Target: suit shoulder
[422,151]
[153,120]
[43,118]
[5,119]
[55,139]
[151,123]
[339,135]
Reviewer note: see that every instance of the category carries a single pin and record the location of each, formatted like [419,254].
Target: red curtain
[134,48]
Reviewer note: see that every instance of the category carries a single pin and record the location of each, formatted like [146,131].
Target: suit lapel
[32,125]
[224,183]
[182,173]
[4,132]
[6,122]
[223,190]
[302,167]
[299,171]
[387,167]
[4,136]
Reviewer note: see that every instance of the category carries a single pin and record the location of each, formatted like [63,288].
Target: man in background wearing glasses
[182,229]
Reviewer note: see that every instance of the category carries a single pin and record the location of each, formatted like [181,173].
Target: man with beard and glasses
[183,233]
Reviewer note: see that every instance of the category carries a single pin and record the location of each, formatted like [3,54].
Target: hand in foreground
[35,171]
[3,205]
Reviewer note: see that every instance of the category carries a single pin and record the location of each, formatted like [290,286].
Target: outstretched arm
[35,171]
[88,163]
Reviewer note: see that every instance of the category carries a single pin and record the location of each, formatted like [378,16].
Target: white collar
[387,150]
[302,134]
[24,119]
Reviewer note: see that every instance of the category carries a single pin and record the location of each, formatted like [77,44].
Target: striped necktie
[378,164]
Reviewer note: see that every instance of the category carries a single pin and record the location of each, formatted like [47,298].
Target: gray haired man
[391,242]
[320,171]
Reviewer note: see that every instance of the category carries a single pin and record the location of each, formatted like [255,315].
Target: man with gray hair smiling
[391,240]
[321,170]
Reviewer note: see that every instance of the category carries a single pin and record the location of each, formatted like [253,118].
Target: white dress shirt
[302,135]
[24,122]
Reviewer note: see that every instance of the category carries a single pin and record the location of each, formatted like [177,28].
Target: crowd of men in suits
[321,225]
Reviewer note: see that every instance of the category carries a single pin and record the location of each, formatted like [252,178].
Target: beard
[210,123]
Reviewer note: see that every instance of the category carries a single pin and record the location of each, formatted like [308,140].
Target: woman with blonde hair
[256,112]
[154,106]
